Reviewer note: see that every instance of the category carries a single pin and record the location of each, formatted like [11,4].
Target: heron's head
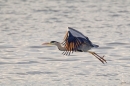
[54,42]
[51,43]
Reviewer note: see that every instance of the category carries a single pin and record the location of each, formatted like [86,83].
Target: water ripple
[106,47]
[3,63]
[62,60]
[6,46]
[27,62]
[117,43]
[39,72]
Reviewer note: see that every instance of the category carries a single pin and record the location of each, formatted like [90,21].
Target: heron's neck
[60,47]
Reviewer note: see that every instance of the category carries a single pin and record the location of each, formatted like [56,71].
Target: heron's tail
[96,46]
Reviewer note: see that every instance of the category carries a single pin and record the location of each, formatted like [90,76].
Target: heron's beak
[46,44]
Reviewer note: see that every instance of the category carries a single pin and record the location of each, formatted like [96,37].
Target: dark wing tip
[70,28]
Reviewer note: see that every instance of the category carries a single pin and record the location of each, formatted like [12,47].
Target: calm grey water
[26,24]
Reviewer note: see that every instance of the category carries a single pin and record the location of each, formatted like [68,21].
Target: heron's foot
[98,57]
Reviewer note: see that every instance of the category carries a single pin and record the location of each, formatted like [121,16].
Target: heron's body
[81,48]
[84,48]
[76,41]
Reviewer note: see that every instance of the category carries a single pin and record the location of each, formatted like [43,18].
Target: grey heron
[75,41]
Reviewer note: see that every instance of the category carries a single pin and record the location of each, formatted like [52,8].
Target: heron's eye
[52,41]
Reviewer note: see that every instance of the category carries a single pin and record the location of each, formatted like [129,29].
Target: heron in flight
[75,41]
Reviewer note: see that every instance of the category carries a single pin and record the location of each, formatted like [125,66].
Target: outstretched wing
[73,40]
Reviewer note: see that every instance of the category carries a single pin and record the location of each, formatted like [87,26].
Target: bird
[75,41]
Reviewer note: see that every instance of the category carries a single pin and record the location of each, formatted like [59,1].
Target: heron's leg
[98,57]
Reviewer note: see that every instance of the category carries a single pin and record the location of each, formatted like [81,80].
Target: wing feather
[73,40]
[78,34]
[66,35]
